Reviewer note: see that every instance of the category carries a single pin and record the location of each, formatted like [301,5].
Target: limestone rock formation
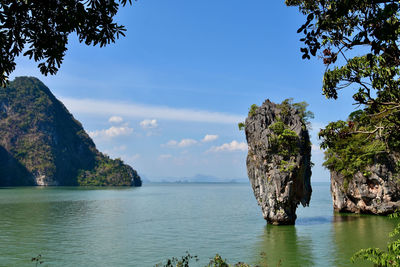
[377,193]
[278,160]
[41,143]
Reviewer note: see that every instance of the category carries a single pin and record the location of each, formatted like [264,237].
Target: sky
[167,98]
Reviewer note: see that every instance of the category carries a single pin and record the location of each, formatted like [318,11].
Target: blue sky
[168,96]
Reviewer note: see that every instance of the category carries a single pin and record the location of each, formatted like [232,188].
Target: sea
[145,226]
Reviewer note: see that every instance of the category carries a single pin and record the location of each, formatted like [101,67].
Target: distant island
[198,178]
[41,143]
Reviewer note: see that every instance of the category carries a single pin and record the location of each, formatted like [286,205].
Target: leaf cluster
[179,262]
[284,141]
[40,30]
[301,107]
[216,261]
[352,146]
[379,257]
[107,172]
[358,43]
[252,110]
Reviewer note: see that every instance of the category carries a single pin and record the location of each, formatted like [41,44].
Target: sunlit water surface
[144,226]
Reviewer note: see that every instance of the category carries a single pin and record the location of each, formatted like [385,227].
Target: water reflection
[314,220]
[78,227]
[322,240]
[283,244]
[353,232]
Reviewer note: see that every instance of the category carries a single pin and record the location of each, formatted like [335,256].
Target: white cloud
[111,132]
[101,107]
[149,124]
[232,146]
[187,142]
[115,119]
[182,143]
[210,138]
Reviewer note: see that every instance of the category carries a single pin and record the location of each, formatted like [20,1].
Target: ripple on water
[144,226]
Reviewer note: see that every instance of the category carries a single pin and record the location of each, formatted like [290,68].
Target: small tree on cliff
[44,27]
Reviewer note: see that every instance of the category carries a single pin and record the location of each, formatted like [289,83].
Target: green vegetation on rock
[252,110]
[42,143]
[241,126]
[300,107]
[107,172]
[283,140]
[371,29]
[352,146]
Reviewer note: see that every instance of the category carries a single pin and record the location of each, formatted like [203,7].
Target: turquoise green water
[144,226]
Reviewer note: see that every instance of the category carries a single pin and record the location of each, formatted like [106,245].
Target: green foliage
[241,126]
[46,25]
[176,262]
[284,141]
[390,257]
[216,261]
[107,172]
[285,107]
[252,110]
[300,107]
[43,138]
[277,127]
[346,183]
[371,30]
[305,114]
[352,146]
[286,166]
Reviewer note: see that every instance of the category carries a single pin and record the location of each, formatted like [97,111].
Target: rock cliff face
[278,160]
[42,144]
[379,193]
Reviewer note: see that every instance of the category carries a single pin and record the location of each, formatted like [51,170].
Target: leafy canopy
[40,29]
[349,150]
[300,107]
[284,141]
[336,31]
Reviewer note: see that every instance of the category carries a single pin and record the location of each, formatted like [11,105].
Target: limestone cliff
[278,160]
[42,144]
[377,193]
[364,165]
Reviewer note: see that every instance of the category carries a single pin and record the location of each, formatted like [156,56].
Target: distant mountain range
[199,178]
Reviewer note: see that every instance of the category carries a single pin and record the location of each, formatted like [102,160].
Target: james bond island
[279,159]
